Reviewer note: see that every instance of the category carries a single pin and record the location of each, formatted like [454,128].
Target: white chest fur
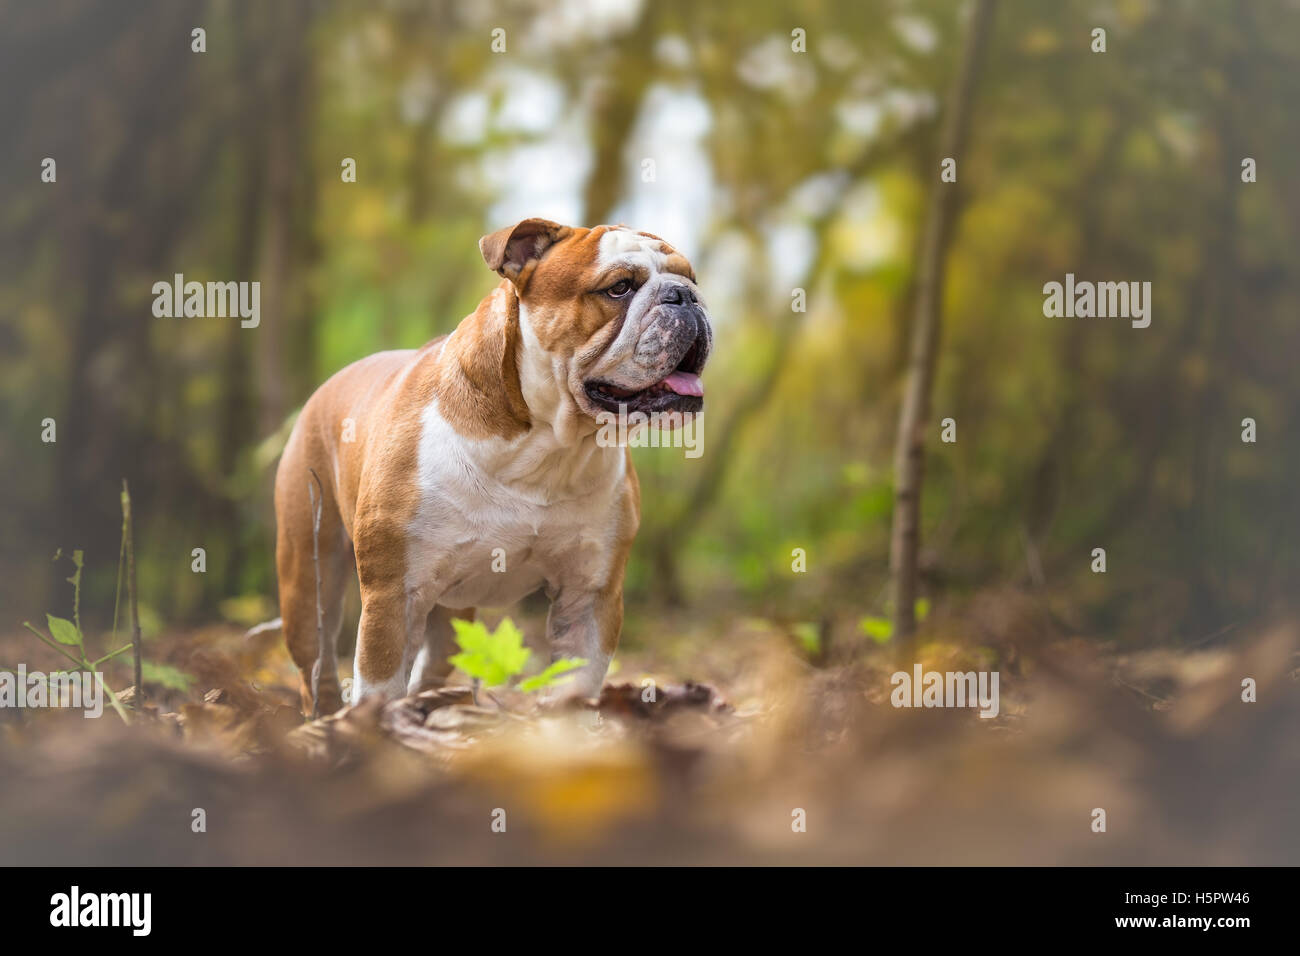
[498,519]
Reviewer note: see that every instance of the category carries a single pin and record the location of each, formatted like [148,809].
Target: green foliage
[497,657]
[1073,169]
[63,630]
[558,673]
[491,657]
[809,636]
[66,634]
[881,629]
[165,675]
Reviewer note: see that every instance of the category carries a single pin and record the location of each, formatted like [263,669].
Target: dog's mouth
[679,391]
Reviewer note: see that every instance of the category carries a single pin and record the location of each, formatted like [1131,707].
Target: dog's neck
[524,425]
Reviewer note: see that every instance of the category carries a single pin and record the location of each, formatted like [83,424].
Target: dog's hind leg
[296,569]
[431,664]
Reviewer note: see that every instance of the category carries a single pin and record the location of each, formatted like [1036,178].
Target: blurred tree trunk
[1204,527]
[237,418]
[287,168]
[105,427]
[614,112]
[909,461]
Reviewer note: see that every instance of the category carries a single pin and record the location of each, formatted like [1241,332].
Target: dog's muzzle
[668,357]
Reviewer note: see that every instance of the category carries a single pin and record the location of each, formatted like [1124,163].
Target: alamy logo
[102,909]
[213,300]
[946,689]
[652,430]
[73,689]
[1104,300]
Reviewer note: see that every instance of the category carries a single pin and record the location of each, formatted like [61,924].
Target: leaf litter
[708,771]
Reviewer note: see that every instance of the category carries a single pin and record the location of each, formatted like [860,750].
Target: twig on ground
[131,594]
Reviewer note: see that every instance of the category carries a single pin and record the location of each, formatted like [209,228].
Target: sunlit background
[792,151]
[775,169]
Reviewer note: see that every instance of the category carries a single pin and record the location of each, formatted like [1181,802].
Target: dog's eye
[619,289]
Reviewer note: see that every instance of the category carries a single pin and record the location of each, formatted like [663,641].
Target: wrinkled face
[618,318]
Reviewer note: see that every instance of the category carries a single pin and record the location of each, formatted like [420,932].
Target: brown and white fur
[484,439]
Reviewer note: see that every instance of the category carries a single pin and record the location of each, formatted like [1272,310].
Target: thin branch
[121,559]
[111,654]
[909,453]
[46,640]
[131,596]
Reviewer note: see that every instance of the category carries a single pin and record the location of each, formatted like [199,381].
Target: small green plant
[66,636]
[881,629]
[553,676]
[496,657]
[69,640]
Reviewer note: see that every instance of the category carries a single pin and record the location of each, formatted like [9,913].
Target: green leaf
[493,657]
[920,609]
[64,631]
[173,678]
[553,676]
[879,629]
[470,635]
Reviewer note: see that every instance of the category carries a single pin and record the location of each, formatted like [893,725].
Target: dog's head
[610,320]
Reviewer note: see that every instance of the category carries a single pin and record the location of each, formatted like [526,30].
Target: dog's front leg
[387,641]
[585,624]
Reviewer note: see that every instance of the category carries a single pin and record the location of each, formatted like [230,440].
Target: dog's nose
[678,294]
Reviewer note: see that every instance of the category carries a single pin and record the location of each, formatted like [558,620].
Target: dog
[469,472]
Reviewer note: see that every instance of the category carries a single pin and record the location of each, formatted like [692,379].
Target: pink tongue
[685,383]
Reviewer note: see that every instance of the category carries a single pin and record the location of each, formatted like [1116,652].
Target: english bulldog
[469,472]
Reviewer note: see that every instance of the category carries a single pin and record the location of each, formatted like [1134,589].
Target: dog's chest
[480,539]
[495,554]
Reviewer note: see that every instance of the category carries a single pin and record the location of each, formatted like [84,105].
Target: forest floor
[745,740]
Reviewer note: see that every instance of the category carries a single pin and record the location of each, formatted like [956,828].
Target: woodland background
[775,170]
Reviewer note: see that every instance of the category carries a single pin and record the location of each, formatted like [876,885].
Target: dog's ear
[509,251]
[480,391]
